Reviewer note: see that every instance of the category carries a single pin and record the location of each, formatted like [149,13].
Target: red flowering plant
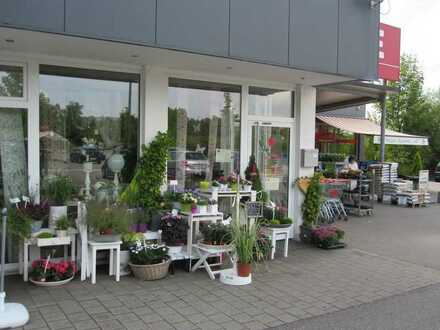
[222,180]
[327,236]
[232,178]
[44,270]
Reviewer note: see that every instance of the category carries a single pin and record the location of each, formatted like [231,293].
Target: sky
[420,24]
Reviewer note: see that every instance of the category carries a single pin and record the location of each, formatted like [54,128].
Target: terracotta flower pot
[244,270]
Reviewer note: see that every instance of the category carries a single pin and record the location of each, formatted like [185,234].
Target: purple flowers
[327,236]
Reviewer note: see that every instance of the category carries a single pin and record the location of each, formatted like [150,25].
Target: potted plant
[128,240]
[278,223]
[215,186]
[187,200]
[216,234]
[233,182]
[48,273]
[19,224]
[149,262]
[310,207]
[58,190]
[328,237]
[107,223]
[246,184]
[174,231]
[212,206]
[204,185]
[223,183]
[202,206]
[245,241]
[61,226]
[38,213]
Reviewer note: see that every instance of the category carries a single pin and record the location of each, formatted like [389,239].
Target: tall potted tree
[310,207]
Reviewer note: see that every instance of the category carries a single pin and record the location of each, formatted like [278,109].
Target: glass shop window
[11,81]
[270,102]
[86,117]
[204,123]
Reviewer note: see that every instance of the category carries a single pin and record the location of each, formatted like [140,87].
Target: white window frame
[12,101]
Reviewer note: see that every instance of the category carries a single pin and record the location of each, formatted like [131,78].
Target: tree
[74,123]
[12,84]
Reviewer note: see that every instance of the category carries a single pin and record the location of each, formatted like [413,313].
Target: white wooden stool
[113,247]
[277,234]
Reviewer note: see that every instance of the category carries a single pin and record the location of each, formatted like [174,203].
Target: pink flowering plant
[44,270]
[327,236]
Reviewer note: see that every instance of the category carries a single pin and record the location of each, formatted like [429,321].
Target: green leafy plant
[129,239]
[312,202]
[144,189]
[286,221]
[202,202]
[63,223]
[19,224]
[58,189]
[107,220]
[245,241]
[45,235]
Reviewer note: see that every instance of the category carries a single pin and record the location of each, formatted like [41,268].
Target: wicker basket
[150,272]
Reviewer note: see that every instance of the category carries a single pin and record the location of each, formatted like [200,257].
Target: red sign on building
[389,52]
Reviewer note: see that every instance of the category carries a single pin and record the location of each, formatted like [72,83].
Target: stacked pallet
[384,173]
[414,198]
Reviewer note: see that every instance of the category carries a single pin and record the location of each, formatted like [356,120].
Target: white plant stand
[114,264]
[194,220]
[47,242]
[205,252]
[277,234]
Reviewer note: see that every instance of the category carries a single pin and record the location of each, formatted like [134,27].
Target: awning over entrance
[368,127]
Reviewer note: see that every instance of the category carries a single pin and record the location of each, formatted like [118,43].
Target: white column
[154,101]
[245,148]
[305,113]
[33,119]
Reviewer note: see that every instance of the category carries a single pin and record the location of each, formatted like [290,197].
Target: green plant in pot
[187,200]
[149,262]
[202,206]
[310,207]
[107,223]
[128,240]
[245,241]
[216,234]
[19,224]
[62,225]
[174,231]
[58,190]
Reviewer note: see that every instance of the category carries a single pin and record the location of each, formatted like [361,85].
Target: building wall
[329,36]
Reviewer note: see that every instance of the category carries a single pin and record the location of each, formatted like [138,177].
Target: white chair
[278,234]
[113,247]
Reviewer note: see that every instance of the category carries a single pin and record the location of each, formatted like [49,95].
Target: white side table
[277,234]
[113,247]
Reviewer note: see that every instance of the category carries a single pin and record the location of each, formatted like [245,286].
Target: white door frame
[277,122]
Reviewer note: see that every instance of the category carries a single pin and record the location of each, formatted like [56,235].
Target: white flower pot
[124,259]
[213,209]
[175,249]
[223,187]
[202,209]
[61,233]
[215,188]
[56,212]
[247,187]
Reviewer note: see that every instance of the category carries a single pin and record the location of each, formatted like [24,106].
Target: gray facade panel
[46,15]
[128,20]
[197,25]
[314,34]
[358,39]
[259,30]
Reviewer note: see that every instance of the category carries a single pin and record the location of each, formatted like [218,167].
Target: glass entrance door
[271,147]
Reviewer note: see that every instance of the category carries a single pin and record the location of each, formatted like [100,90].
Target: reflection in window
[270,102]
[11,81]
[13,164]
[87,116]
[204,123]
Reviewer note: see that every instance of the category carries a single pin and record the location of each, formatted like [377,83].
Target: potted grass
[61,226]
[245,241]
[58,190]
[149,262]
[216,235]
[107,223]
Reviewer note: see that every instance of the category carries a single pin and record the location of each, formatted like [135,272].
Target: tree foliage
[415,112]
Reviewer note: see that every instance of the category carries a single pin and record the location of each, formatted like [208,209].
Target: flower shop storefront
[73,130]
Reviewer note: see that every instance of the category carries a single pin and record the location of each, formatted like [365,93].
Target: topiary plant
[312,202]
[144,189]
